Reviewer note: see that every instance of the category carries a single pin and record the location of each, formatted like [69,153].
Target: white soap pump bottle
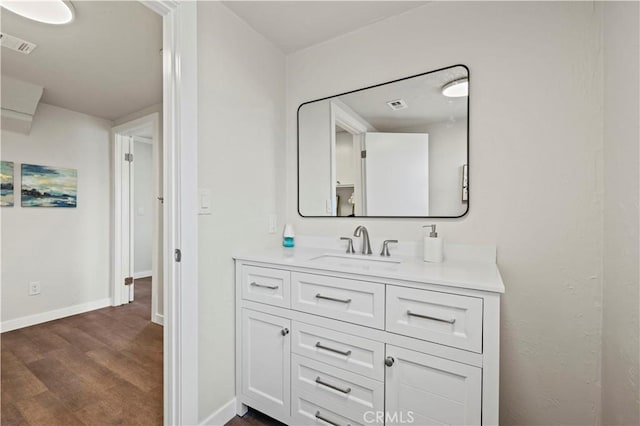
[432,245]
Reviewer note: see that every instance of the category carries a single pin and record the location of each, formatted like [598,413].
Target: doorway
[137,211]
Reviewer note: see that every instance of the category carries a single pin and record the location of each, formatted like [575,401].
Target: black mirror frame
[371,87]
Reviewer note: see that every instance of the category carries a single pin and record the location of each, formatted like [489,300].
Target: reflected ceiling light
[457,88]
[56,12]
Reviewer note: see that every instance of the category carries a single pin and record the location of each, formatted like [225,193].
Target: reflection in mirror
[399,149]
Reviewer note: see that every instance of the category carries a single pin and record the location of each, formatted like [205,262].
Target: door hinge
[128,157]
[178,255]
[128,281]
[363,154]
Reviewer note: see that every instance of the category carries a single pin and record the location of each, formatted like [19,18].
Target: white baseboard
[222,415]
[30,320]
[142,274]
[158,319]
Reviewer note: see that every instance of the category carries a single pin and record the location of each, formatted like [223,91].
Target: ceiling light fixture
[457,88]
[55,12]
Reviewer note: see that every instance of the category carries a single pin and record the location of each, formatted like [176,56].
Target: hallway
[101,367]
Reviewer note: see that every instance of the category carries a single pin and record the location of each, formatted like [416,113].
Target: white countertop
[468,274]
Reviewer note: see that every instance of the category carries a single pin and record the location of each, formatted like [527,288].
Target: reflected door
[396,174]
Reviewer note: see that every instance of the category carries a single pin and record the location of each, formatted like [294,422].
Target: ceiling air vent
[15,43]
[397,104]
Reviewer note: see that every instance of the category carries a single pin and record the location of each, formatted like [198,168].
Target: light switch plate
[204,201]
[273,223]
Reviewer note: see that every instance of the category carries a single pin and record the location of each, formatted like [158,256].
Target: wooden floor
[254,418]
[99,368]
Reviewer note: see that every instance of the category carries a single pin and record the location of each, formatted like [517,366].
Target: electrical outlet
[34,288]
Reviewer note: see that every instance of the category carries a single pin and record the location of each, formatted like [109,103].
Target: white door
[427,390]
[126,214]
[396,174]
[266,362]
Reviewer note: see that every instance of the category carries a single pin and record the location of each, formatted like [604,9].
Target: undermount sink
[357,261]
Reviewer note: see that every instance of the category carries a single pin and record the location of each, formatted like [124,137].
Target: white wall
[315,164]
[143,200]
[241,159]
[620,362]
[536,145]
[345,170]
[66,249]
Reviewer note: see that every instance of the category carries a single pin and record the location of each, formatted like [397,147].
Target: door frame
[343,116]
[180,229]
[151,120]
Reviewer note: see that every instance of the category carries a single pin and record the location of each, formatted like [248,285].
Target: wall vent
[16,44]
[397,104]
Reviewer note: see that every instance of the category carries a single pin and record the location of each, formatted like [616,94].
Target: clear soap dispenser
[432,245]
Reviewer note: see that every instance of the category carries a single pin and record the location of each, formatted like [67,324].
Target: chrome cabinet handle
[284,331]
[319,296]
[270,287]
[413,314]
[324,419]
[334,387]
[388,361]
[338,351]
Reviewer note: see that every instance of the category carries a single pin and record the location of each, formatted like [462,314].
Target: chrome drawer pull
[334,387]
[324,419]
[412,314]
[338,351]
[270,287]
[319,296]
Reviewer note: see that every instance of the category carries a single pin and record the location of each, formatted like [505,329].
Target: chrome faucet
[366,244]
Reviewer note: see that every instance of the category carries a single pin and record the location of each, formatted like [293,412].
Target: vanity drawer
[305,412]
[348,394]
[352,353]
[359,302]
[266,285]
[449,319]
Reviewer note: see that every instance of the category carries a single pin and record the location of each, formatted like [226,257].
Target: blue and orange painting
[6,183]
[44,186]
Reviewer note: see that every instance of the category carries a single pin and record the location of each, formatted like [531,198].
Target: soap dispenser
[287,236]
[432,245]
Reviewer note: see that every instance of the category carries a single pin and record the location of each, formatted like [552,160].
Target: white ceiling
[425,102]
[106,63]
[294,25]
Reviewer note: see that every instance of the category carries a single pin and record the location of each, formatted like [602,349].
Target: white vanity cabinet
[318,346]
[266,361]
[429,390]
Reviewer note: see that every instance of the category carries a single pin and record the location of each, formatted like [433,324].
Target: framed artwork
[44,186]
[6,183]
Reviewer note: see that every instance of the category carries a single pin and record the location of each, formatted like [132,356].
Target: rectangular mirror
[398,149]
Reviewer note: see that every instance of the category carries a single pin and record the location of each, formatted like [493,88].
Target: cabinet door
[266,362]
[427,390]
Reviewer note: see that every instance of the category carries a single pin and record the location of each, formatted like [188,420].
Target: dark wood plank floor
[99,368]
[254,418]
